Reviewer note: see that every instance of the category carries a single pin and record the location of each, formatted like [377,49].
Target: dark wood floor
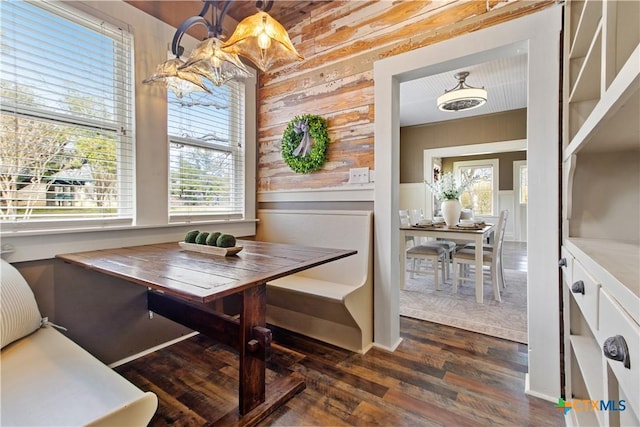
[438,376]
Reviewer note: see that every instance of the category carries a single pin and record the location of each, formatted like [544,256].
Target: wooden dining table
[476,235]
[185,285]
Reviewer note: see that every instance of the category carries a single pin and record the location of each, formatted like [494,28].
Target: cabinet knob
[578,287]
[615,348]
[562,262]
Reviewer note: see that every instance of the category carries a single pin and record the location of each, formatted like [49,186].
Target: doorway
[419,298]
[541,33]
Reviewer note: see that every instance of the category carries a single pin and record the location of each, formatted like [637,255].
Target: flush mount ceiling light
[462,97]
[259,38]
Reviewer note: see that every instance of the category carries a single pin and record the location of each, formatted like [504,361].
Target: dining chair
[434,255]
[492,257]
[504,215]
[449,249]
[416,215]
[405,221]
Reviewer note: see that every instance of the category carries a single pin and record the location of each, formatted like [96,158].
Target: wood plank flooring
[438,376]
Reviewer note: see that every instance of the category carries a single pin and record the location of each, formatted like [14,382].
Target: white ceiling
[505,80]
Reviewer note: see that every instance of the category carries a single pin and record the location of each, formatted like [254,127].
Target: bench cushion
[47,379]
[19,313]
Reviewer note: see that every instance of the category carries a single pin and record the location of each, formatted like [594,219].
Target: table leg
[252,362]
[479,273]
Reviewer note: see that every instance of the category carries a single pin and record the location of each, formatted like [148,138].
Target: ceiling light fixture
[263,40]
[259,38]
[462,97]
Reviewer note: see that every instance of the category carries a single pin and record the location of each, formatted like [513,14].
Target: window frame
[122,125]
[237,133]
[494,164]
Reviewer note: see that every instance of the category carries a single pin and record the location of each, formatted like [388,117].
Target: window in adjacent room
[207,153]
[523,195]
[482,195]
[66,138]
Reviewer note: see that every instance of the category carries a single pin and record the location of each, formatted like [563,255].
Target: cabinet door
[623,354]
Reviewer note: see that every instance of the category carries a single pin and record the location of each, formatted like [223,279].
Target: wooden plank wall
[340,42]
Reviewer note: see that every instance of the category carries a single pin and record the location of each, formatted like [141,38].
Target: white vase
[451,211]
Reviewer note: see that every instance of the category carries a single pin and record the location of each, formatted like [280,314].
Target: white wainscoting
[413,196]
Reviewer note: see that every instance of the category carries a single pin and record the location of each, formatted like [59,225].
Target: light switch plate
[358,175]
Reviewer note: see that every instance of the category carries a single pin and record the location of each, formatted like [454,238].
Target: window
[482,195]
[66,145]
[207,156]
[523,194]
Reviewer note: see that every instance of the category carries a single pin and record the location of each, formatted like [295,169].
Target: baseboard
[527,390]
[386,348]
[151,350]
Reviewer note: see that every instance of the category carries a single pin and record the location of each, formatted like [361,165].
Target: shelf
[581,418]
[624,91]
[587,83]
[589,20]
[601,199]
[621,34]
[614,263]
[587,354]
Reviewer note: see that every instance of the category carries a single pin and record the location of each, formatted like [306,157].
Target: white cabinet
[601,210]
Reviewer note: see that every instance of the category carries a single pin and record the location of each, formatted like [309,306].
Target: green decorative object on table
[226,241]
[201,238]
[190,237]
[304,143]
[212,239]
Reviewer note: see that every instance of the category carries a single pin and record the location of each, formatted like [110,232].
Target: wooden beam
[222,328]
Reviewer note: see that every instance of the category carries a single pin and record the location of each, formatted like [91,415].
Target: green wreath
[305,155]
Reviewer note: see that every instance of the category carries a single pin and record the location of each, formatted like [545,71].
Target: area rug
[506,319]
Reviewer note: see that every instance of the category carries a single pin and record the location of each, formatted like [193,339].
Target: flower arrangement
[446,188]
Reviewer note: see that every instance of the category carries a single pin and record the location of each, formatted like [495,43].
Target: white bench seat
[48,380]
[318,288]
[332,302]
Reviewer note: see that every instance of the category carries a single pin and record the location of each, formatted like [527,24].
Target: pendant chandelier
[259,38]
[462,97]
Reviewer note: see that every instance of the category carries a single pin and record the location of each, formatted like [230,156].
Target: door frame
[540,34]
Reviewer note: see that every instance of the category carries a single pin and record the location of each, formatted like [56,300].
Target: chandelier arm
[223,13]
[264,6]
[178,50]
[205,8]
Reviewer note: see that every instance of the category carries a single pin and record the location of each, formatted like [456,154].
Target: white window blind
[66,147]
[207,155]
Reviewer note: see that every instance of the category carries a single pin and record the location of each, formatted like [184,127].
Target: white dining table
[475,235]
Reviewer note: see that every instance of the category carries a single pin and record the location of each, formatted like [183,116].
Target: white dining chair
[492,257]
[405,221]
[449,249]
[415,216]
[504,214]
[434,256]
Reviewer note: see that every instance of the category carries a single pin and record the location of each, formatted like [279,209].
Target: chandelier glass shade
[172,77]
[263,40]
[208,60]
[462,97]
[259,38]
